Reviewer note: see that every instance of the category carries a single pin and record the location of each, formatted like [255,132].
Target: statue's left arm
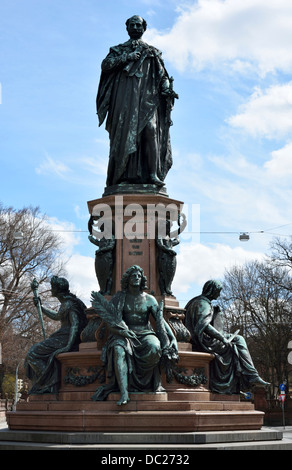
[166,86]
[172,338]
[156,312]
[73,319]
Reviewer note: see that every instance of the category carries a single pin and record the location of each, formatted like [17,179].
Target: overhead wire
[206,232]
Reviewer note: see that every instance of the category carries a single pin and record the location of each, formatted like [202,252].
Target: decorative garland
[74,377]
[197,378]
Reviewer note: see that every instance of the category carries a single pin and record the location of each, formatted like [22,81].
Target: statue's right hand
[225,341]
[130,335]
[36,301]
[133,56]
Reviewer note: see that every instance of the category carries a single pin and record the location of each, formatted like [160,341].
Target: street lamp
[244,237]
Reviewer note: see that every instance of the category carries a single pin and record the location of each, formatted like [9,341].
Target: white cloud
[83,170]
[266,114]
[55,167]
[237,165]
[197,263]
[242,34]
[81,213]
[67,232]
[81,276]
[238,195]
[96,166]
[80,270]
[280,164]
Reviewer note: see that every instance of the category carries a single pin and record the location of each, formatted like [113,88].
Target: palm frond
[106,310]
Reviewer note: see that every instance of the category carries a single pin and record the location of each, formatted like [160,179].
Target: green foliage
[8,385]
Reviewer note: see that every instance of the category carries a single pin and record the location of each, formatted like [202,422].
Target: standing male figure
[135,94]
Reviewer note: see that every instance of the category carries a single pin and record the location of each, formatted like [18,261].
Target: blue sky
[232,63]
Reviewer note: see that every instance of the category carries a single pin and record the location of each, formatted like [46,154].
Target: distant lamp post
[244,237]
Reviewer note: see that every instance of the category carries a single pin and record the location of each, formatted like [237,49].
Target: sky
[231,136]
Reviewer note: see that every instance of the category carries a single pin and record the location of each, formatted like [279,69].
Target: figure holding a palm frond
[134,351]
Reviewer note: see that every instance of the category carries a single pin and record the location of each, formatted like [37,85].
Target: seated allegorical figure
[133,352]
[41,364]
[232,369]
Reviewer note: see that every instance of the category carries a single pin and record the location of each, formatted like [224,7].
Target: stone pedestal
[182,408]
[134,219]
[83,371]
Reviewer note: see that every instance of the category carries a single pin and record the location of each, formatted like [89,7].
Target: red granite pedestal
[181,408]
[135,219]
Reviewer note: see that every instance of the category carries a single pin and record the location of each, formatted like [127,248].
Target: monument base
[145,414]
[181,408]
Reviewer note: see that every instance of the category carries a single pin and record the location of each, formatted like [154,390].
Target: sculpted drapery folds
[135,94]
[133,352]
[42,366]
[232,370]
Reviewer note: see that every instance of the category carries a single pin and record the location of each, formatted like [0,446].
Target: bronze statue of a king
[135,94]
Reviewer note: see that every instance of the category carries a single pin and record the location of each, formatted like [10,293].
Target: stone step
[208,437]
[264,439]
[134,405]
[139,421]
[271,445]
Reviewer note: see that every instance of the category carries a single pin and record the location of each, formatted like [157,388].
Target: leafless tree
[281,252]
[255,298]
[35,255]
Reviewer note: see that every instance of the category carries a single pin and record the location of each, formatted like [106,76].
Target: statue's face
[135,279]
[54,290]
[135,27]
[216,292]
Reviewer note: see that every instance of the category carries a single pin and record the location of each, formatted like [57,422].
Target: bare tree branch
[38,255]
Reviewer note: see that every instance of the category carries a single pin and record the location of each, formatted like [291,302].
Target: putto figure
[232,370]
[133,352]
[42,366]
[135,93]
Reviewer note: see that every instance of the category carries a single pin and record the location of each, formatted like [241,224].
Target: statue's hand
[37,301]
[225,341]
[169,93]
[133,56]
[173,344]
[129,334]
